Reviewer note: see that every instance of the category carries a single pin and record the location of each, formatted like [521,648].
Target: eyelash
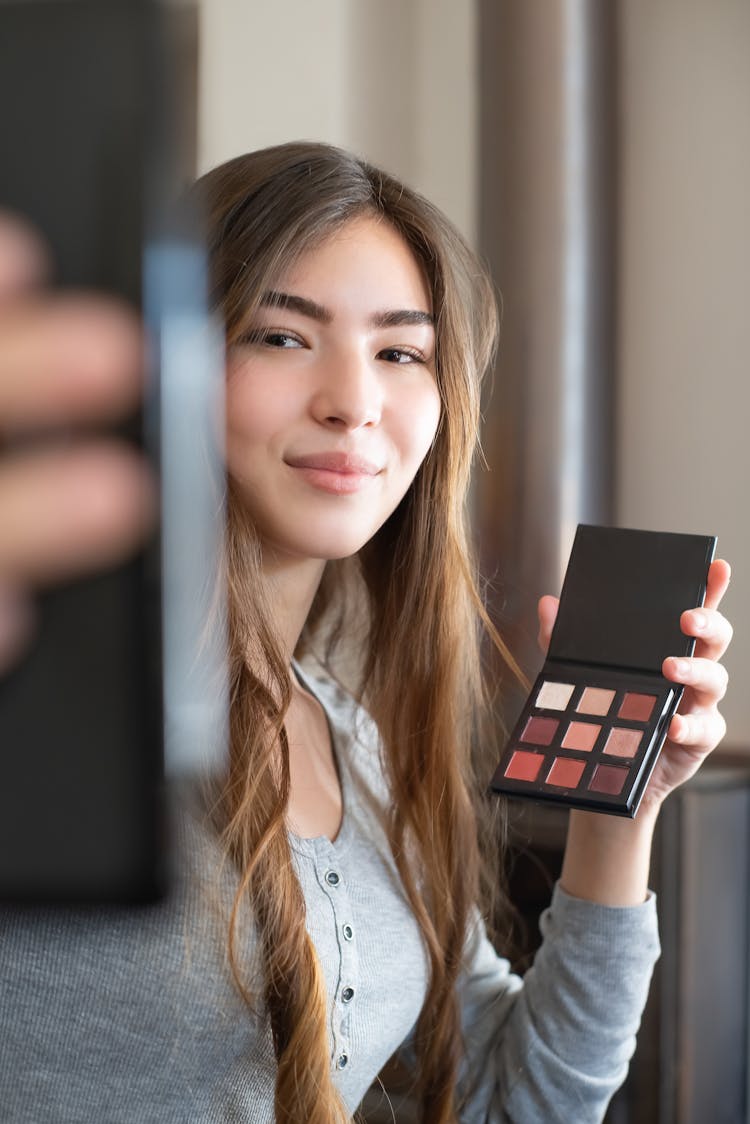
[266,336]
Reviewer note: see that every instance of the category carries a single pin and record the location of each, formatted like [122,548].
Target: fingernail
[681,668]
[699,621]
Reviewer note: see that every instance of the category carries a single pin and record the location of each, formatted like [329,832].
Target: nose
[349,392]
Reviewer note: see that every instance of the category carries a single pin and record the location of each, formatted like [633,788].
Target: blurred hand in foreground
[78,504]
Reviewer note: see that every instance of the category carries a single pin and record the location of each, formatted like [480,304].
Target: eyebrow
[389,318]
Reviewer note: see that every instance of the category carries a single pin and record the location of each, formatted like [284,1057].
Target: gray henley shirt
[130,1016]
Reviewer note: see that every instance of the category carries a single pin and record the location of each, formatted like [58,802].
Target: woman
[326,916]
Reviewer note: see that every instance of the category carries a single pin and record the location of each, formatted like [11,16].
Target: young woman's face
[332,402]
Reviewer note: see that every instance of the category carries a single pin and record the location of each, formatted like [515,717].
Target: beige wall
[390,79]
[395,80]
[684,409]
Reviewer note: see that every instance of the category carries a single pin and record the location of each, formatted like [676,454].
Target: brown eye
[401,355]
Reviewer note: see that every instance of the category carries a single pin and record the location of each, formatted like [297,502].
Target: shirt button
[332,878]
[343,1061]
[348,932]
[347,994]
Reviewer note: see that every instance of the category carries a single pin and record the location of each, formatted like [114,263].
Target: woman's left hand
[698,726]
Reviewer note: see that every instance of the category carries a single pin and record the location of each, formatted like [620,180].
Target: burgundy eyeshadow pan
[609,779]
[540,731]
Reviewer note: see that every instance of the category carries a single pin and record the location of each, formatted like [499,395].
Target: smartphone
[96,135]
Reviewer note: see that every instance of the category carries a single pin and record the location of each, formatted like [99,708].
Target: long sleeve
[556,1045]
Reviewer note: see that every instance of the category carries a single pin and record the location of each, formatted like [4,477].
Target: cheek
[418,423]
[253,410]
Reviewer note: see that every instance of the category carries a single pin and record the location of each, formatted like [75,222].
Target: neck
[291,585]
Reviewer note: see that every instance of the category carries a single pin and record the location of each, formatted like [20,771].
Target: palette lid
[623,594]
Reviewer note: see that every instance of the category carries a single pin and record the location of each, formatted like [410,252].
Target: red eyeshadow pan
[609,779]
[565,772]
[636,707]
[524,766]
[581,736]
[540,731]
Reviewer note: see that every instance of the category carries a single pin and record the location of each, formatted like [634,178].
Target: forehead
[365,261]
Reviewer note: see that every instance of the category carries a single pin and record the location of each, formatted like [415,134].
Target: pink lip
[348,464]
[338,473]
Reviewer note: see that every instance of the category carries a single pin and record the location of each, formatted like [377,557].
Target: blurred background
[597,154]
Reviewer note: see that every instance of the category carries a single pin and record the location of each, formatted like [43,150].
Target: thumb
[547,612]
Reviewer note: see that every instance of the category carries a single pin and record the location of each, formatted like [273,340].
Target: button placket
[346,991]
[333,883]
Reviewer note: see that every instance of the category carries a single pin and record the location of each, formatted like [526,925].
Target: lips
[335,472]
[348,464]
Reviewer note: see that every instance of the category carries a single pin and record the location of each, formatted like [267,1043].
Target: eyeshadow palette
[592,728]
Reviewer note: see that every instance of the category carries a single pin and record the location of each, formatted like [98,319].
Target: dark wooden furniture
[691,1062]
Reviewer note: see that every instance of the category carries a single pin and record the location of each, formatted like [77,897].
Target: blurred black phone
[96,139]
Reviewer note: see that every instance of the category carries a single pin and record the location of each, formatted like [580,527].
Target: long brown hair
[420,660]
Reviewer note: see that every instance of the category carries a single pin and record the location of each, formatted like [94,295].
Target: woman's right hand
[73,503]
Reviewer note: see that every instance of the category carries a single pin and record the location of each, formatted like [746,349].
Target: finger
[24,261]
[712,631]
[706,679]
[547,613]
[698,731]
[67,358]
[719,575]
[65,512]
[16,625]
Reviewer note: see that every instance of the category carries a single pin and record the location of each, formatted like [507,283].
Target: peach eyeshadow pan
[595,700]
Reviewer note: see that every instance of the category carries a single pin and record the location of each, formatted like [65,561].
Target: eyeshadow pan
[622,743]
[581,736]
[636,706]
[540,731]
[595,700]
[524,766]
[609,779]
[565,772]
[554,696]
